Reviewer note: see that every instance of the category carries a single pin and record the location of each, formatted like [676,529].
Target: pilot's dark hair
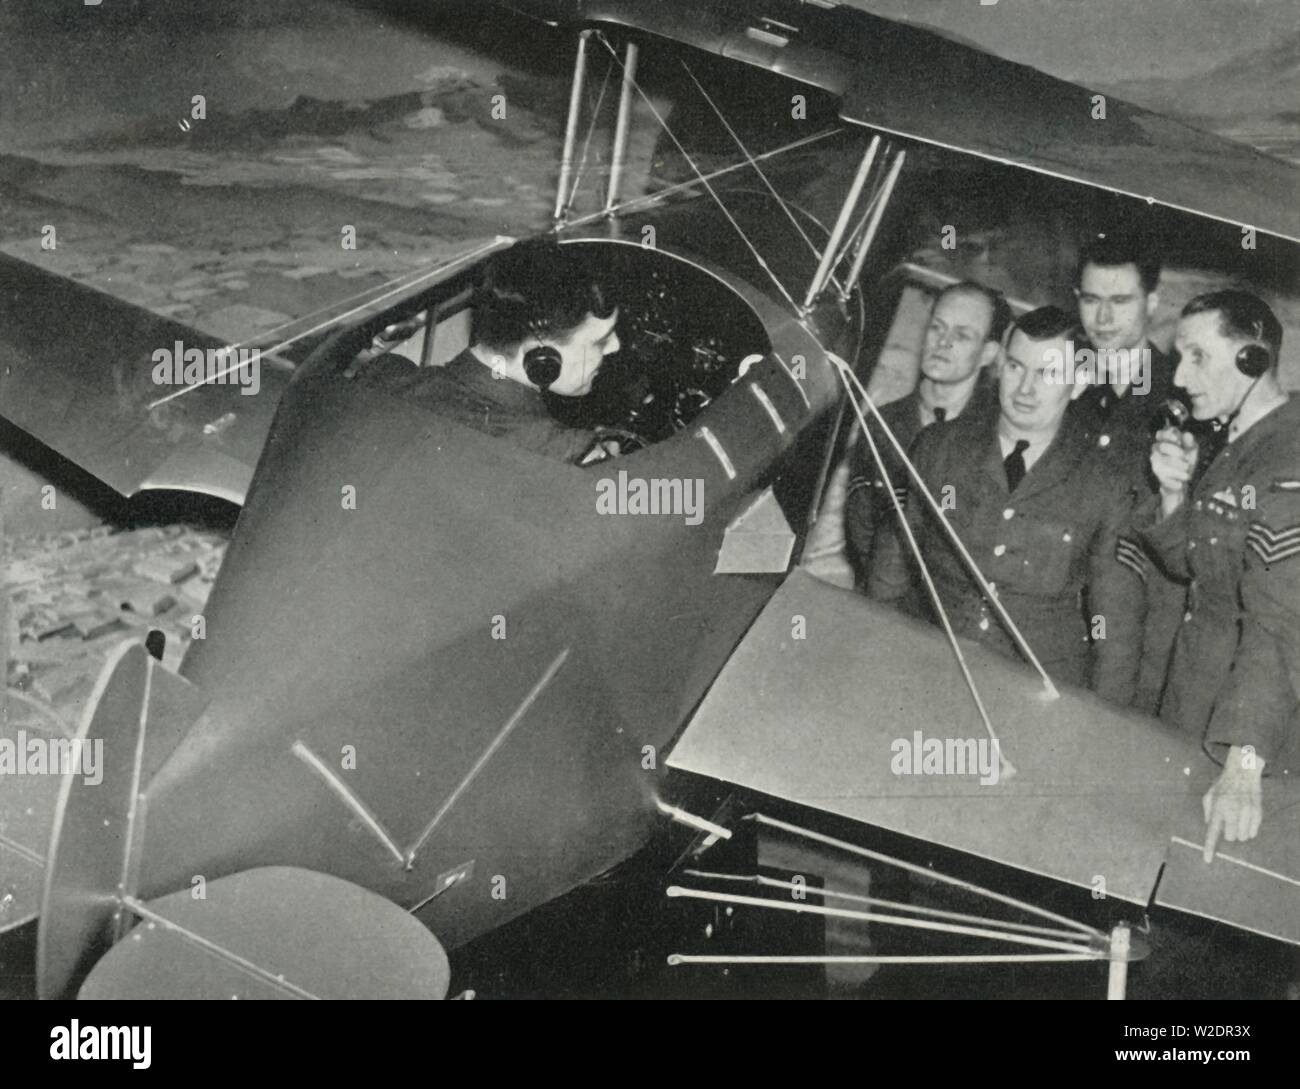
[537,287]
[1242,316]
[1117,248]
[1046,323]
[999,310]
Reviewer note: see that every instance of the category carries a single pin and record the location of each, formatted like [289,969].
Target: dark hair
[999,310]
[1120,248]
[537,287]
[1046,323]
[1242,316]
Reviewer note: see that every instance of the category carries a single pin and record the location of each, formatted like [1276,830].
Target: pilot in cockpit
[542,327]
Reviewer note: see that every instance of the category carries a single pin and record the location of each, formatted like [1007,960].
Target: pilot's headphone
[1254,360]
[542,364]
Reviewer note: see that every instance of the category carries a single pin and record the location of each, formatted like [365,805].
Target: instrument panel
[683,335]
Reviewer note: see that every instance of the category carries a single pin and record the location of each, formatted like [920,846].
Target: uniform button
[1214,540]
[1009,513]
[1067,538]
[984,624]
[1000,550]
[1103,441]
[1187,616]
[1199,504]
[1191,544]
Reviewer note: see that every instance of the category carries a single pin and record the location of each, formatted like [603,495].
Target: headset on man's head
[1254,360]
[543,363]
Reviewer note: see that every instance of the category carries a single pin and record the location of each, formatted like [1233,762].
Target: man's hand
[1234,805]
[1173,460]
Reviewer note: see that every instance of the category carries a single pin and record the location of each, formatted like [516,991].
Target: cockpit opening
[683,335]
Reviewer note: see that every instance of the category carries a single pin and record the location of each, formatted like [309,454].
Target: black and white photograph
[665,500]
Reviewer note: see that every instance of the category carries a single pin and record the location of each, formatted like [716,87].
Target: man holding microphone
[1232,530]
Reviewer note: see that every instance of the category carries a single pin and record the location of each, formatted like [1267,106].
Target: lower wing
[839,704]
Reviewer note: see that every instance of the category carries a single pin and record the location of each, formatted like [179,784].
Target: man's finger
[1242,822]
[1231,818]
[1212,836]
[1256,819]
[1207,800]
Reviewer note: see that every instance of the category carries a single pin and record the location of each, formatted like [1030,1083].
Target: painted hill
[1261,84]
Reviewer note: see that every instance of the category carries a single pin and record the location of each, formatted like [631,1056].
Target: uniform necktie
[1014,464]
[939,414]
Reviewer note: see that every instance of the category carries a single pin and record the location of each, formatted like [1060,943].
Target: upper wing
[829,693]
[915,82]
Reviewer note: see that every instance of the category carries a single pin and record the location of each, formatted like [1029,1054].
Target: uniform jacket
[1049,548]
[1123,428]
[469,393]
[1235,678]
[867,503]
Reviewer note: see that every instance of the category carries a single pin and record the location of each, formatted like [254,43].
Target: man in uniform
[1115,285]
[1040,510]
[1234,531]
[542,327]
[961,340]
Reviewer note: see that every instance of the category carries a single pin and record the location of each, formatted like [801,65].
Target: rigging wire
[658,195]
[1013,629]
[931,589]
[923,871]
[749,158]
[700,177]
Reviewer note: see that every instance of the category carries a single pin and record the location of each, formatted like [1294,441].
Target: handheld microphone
[1175,414]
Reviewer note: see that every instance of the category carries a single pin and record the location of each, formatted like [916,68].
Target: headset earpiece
[1254,360]
[542,365]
